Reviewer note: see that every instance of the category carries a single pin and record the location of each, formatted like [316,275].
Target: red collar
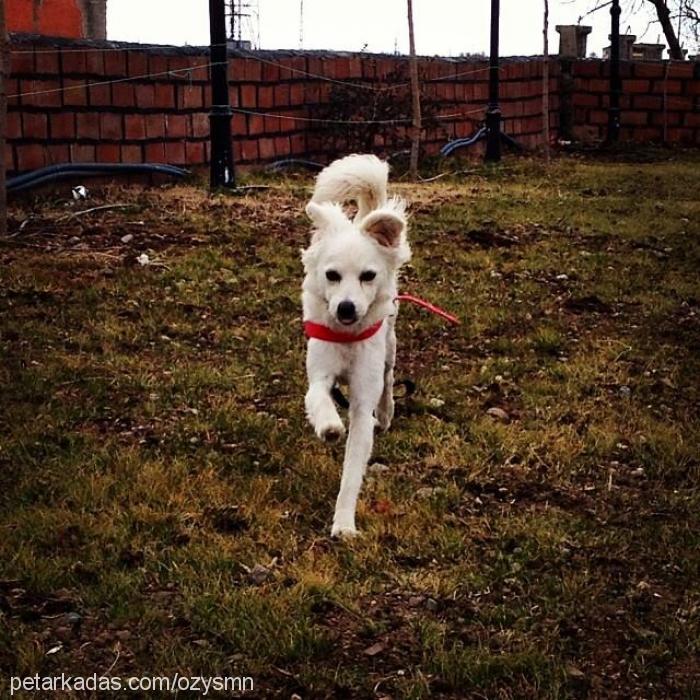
[320,332]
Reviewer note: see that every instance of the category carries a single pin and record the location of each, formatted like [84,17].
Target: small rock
[143,259]
[375,649]
[428,491]
[499,414]
[128,238]
[625,392]
[377,468]
[437,403]
[574,671]
[259,574]
[432,605]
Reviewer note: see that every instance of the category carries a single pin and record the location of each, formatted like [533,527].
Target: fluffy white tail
[359,178]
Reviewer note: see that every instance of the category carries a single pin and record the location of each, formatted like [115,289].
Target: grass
[164,507]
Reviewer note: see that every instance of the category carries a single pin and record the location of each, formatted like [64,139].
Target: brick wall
[65,18]
[99,101]
[660,101]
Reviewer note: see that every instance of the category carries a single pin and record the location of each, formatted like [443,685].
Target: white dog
[349,294]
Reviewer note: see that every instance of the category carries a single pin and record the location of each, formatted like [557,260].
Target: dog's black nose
[347,312]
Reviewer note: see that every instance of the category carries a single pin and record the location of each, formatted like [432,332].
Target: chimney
[572,40]
[626,42]
[648,52]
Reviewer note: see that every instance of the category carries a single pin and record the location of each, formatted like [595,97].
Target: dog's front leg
[358,450]
[320,409]
[385,408]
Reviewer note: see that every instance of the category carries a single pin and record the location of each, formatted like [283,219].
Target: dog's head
[352,265]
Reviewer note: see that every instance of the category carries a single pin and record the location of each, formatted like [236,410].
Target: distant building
[78,19]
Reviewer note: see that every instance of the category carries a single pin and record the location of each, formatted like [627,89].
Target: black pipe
[615,84]
[493,113]
[35,178]
[222,172]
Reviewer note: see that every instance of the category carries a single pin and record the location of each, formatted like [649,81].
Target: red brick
[74,92]
[256,124]
[194,151]
[635,86]
[30,156]
[155,126]
[10,157]
[100,95]
[200,124]
[40,93]
[692,119]
[14,125]
[137,63]
[176,126]
[296,94]
[175,152]
[73,62]
[270,73]
[670,87]
[282,146]
[282,95]
[298,144]
[12,87]
[649,102]
[587,69]
[266,148]
[158,66]
[22,62]
[634,118]
[668,119]
[82,153]
[123,95]
[681,103]
[585,100]
[165,96]
[693,88]
[47,62]
[178,66]
[111,126]
[88,125]
[95,63]
[131,154]
[190,97]
[680,70]
[62,125]
[155,152]
[272,125]
[57,153]
[312,94]
[108,152]
[266,97]
[598,116]
[649,70]
[249,150]
[238,124]
[115,64]
[145,96]
[134,126]
[248,96]
[680,135]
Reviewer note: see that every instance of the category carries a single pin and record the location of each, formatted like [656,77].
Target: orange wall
[48,17]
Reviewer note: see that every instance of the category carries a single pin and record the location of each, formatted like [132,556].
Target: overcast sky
[443,27]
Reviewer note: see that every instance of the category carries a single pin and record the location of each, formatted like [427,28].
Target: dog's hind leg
[358,449]
[385,408]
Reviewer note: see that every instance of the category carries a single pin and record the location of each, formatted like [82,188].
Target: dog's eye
[333,276]
[368,276]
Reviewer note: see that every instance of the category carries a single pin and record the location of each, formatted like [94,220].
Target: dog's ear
[386,227]
[326,216]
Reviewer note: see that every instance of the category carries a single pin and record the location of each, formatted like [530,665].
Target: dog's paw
[343,533]
[382,420]
[344,525]
[330,432]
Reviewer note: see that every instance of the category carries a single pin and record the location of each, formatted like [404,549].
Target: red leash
[321,332]
[430,307]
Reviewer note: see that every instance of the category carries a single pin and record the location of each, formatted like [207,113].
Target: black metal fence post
[615,84]
[493,113]
[222,168]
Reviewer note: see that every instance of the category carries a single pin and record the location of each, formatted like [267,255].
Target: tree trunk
[415,94]
[3,120]
[545,81]
[674,47]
